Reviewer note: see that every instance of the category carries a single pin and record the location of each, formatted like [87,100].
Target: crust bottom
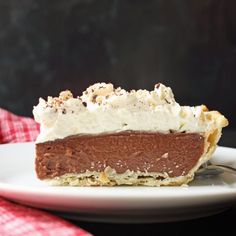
[110,178]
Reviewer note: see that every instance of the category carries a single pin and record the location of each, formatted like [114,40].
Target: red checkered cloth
[18,220]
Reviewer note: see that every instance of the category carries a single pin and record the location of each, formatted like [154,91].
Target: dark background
[48,46]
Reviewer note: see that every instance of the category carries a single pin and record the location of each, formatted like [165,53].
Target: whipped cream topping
[102,109]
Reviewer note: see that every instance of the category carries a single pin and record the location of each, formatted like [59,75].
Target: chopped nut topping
[65,95]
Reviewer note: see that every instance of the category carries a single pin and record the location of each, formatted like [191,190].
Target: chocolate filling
[173,153]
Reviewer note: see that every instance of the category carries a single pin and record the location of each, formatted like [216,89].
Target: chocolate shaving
[63,111]
[94,98]
[84,104]
[157,85]
[167,101]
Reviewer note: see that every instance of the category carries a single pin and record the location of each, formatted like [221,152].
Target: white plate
[116,204]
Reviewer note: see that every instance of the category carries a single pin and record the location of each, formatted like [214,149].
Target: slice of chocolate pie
[111,137]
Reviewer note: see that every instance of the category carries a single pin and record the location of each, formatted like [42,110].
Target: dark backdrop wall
[48,46]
